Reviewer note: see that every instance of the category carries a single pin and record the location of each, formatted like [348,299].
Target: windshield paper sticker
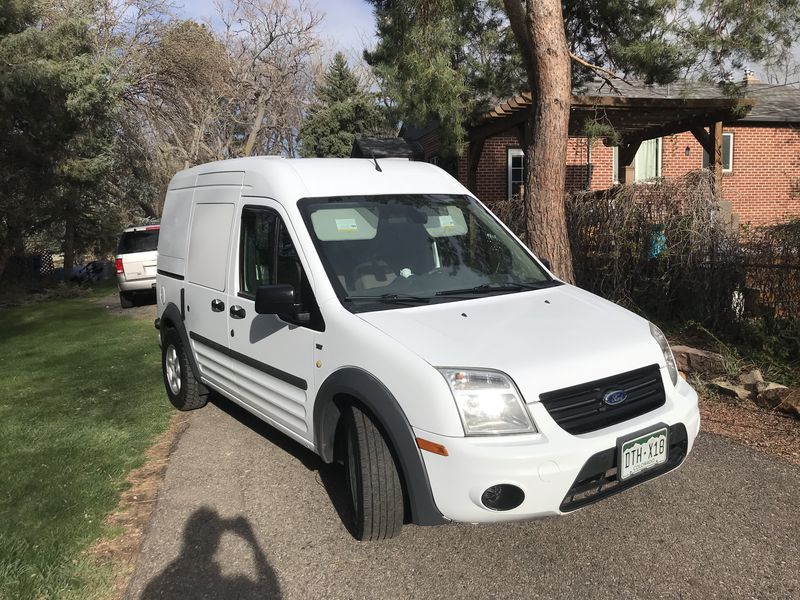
[446,221]
[346,225]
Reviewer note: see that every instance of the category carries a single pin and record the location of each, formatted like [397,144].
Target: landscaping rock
[700,362]
[753,377]
[727,388]
[772,395]
[790,403]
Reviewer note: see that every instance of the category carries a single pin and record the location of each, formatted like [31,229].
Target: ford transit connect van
[381,316]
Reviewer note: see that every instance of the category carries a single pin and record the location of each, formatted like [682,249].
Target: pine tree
[343,111]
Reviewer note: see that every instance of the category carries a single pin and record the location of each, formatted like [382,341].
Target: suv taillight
[118,266]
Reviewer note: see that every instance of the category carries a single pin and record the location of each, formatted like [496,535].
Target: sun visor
[447,222]
[339,224]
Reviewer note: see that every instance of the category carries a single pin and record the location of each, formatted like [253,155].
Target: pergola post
[711,141]
[716,157]
[625,156]
[473,158]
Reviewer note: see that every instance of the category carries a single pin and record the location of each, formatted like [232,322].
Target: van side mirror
[275,299]
[546,263]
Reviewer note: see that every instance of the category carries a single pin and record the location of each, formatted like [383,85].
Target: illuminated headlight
[488,402]
[668,358]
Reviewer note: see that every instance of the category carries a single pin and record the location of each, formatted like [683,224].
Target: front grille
[580,408]
[598,477]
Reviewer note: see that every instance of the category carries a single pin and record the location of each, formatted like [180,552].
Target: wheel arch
[368,391]
[171,318]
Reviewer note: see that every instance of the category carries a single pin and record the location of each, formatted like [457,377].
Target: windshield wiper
[390,298]
[490,288]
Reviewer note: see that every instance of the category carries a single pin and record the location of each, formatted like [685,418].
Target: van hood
[543,339]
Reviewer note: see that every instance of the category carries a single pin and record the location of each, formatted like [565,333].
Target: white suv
[381,316]
[136,261]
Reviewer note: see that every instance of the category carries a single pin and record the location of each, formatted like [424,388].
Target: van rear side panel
[174,230]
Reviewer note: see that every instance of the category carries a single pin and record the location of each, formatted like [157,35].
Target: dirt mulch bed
[146,310]
[759,428]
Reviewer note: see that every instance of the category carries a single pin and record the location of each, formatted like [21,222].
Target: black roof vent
[385,148]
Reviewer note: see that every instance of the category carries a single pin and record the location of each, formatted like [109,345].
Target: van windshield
[390,251]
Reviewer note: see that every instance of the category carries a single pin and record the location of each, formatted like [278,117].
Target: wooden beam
[705,140]
[494,126]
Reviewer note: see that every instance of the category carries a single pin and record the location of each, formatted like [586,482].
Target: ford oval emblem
[615,397]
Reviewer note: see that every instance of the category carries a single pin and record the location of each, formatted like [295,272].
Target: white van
[380,315]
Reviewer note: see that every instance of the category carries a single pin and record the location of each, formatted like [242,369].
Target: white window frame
[728,134]
[512,153]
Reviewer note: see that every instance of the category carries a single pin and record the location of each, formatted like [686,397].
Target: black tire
[373,481]
[126,300]
[183,389]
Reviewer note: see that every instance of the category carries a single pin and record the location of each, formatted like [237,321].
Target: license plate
[642,453]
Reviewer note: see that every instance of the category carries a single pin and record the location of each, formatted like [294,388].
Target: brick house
[662,128]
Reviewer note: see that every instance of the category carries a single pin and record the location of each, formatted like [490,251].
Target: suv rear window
[138,241]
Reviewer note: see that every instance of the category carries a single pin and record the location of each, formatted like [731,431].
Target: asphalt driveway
[245,513]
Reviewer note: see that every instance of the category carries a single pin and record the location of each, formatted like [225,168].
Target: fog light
[503,496]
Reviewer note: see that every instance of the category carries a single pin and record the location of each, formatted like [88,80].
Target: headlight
[488,402]
[670,360]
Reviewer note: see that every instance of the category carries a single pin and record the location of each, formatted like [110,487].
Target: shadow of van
[332,476]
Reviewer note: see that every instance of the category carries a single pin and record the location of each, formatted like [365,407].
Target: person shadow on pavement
[196,574]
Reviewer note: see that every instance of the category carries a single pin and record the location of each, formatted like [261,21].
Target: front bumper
[548,466]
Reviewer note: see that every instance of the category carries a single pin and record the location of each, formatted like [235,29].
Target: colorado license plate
[642,453]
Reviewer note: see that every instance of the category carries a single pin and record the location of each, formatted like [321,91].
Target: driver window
[267,255]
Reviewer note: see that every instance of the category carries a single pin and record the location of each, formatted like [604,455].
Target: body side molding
[294,380]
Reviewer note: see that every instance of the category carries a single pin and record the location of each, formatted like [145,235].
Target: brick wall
[764,184]
[492,176]
[763,187]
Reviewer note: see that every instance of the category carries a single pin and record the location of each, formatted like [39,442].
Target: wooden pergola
[638,114]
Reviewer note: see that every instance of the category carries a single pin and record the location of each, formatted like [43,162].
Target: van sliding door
[206,277]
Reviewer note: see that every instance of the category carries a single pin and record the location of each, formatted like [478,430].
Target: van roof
[288,180]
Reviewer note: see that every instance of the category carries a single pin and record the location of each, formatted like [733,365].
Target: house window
[646,163]
[727,154]
[516,171]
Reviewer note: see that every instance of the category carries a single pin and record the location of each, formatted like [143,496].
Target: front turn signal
[430,446]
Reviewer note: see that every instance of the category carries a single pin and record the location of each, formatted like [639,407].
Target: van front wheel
[183,389]
[373,480]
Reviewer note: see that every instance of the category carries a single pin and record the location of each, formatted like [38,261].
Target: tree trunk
[539,30]
[251,139]
[69,244]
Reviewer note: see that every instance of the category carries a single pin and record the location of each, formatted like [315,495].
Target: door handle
[217,305]
[237,312]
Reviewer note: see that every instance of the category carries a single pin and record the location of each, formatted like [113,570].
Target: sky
[347,25]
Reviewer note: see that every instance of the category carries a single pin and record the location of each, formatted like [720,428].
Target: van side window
[267,256]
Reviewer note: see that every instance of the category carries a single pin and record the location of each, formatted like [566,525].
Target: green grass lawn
[81,399]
